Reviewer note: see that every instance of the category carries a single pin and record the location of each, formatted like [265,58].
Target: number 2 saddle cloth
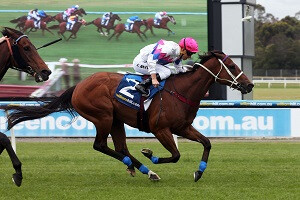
[128,95]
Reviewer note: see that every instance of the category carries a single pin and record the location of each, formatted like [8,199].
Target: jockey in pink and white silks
[67,13]
[158,16]
[153,58]
[105,18]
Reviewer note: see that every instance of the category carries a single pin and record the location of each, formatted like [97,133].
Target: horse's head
[225,71]
[117,17]
[172,19]
[82,11]
[25,55]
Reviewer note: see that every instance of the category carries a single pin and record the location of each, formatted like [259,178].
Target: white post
[176,140]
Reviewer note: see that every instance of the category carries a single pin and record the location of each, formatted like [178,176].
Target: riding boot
[142,87]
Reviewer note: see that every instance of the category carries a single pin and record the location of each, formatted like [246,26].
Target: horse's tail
[54,27]
[24,113]
[89,23]
[14,21]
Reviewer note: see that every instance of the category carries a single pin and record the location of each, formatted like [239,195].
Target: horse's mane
[206,56]
[7,32]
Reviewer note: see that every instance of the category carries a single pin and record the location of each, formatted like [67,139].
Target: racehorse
[110,24]
[62,29]
[43,24]
[19,53]
[59,16]
[171,112]
[162,25]
[19,21]
[120,28]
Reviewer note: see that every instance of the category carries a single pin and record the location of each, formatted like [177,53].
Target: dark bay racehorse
[136,28]
[62,29]
[171,112]
[59,16]
[19,53]
[110,24]
[29,24]
[162,25]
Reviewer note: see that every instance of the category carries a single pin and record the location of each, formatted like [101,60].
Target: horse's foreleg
[170,32]
[165,137]
[192,134]
[119,138]
[140,36]
[112,36]
[47,29]
[151,29]
[5,144]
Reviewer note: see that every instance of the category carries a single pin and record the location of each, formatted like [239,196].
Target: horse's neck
[196,84]
[4,59]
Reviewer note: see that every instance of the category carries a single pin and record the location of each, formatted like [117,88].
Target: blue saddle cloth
[128,95]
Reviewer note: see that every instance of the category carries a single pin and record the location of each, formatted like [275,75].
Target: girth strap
[183,99]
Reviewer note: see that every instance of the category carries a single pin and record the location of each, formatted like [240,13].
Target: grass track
[236,170]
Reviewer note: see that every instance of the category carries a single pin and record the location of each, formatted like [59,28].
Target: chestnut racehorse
[19,53]
[59,16]
[110,24]
[62,29]
[43,24]
[162,25]
[120,28]
[171,112]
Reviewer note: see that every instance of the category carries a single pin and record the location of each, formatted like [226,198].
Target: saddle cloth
[156,22]
[128,95]
[128,27]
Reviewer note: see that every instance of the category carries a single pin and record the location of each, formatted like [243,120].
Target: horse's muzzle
[245,88]
[42,76]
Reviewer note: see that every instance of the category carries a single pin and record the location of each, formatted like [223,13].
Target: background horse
[171,112]
[59,16]
[18,52]
[63,28]
[19,21]
[110,24]
[162,25]
[43,24]
[136,28]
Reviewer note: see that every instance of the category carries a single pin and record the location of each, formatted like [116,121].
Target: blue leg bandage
[144,169]
[127,161]
[202,166]
[154,159]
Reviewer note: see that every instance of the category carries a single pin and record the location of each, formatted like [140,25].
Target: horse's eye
[26,48]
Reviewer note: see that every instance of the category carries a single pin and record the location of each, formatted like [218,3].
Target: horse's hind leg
[5,144]
[165,137]
[112,35]
[119,138]
[192,134]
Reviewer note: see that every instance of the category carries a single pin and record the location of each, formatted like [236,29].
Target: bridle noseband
[234,78]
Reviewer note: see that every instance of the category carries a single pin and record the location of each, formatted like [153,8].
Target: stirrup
[140,88]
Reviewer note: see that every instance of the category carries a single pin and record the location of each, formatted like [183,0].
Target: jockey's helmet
[42,13]
[190,44]
[164,12]
[76,7]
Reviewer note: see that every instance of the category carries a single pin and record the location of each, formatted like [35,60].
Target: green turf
[236,170]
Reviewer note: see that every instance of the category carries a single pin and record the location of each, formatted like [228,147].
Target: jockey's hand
[155,82]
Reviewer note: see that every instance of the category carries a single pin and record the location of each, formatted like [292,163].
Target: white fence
[276,80]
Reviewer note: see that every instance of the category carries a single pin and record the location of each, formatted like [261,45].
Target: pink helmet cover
[189,44]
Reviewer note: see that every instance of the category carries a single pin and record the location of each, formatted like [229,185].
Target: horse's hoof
[197,175]
[153,176]
[17,179]
[147,152]
[131,172]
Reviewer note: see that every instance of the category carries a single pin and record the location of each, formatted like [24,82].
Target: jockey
[32,14]
[67,13]
[71,21]
[105,18]
[131,21]
[159,16]
[153,58]
[36,15]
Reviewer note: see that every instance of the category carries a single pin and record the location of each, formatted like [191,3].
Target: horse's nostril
[46,72]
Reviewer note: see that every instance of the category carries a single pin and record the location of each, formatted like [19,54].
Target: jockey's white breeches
[139,65]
